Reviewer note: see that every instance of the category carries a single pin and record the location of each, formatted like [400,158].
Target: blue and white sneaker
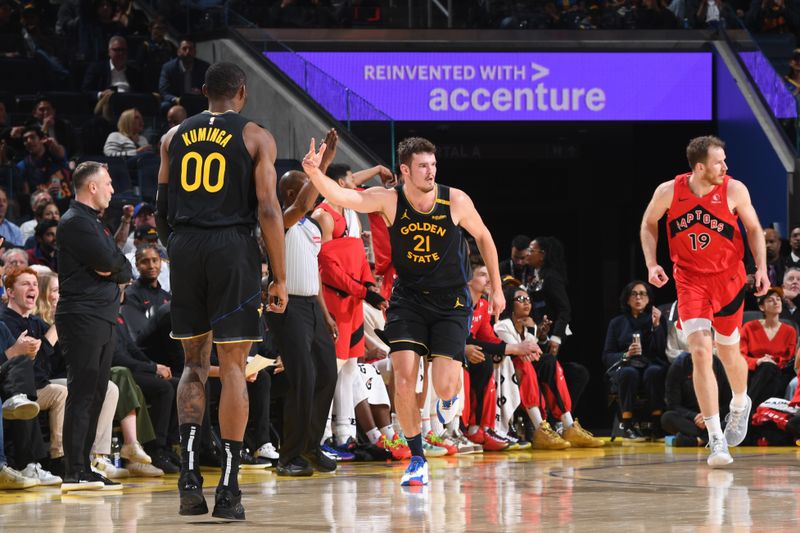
[416,474]
[336,453]
[446,410]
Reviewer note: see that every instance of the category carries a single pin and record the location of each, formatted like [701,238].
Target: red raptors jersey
[703,234]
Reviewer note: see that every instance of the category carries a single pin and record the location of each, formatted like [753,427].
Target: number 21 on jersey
[196,172]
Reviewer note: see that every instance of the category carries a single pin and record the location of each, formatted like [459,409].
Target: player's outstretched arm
[465,215]
[270,217]
[161,193]
[375,199]
[662,198]
[738,193]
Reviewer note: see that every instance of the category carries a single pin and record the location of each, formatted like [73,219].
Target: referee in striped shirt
[304,333]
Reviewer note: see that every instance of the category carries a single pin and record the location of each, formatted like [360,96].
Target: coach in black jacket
[90,269]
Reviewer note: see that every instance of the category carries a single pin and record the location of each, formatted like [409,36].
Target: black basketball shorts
[432,324]
[215,276]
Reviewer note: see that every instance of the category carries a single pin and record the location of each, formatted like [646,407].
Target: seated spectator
[158,387]
[134,421]
[552,393]
[44,251]
[769,347]
[21,413]
[44,167]
[791,295]
[10,478]
[129,17]
[8,230]
[53,126]
[104,78]
[128,141]
[773,16]
[144,296]
[148,236]
[650,15]
[183,75]
[43,46]
[517,266]
[96,24]
[715,14]
[39,199]
[22,286]
[154,52]
[15,258]
[637,364]
[682,417]
[776,263]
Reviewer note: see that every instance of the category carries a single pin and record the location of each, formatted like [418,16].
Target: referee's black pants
[309,361]
[88,346]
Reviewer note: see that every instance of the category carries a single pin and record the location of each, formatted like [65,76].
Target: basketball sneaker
[435,440]
[720,456]
[432,451]
[398,451]
[580,438]
[544,438]
[339,455]
[489,441]
[190,491]
[416,474]
[736,424]
[446,410]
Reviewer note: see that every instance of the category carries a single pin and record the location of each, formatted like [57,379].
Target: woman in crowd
[769,347]
[516,326]
[635,348]
[128,141]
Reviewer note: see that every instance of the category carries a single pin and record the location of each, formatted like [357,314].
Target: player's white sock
[566,419]
[374,435]
[739,400]
[388,432]
[396,425]
[536,416]
[713,425]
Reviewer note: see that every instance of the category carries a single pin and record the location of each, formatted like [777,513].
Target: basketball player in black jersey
[217,180]
[430,307]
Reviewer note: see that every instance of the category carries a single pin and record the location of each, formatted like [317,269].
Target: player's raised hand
[313,158]
[278,298]
[657,276]
[762,282]
[331,139]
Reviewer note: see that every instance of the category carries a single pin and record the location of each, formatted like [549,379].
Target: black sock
[231,456]
[190,447]
[415,445]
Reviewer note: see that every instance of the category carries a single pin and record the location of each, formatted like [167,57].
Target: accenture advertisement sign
[453,86]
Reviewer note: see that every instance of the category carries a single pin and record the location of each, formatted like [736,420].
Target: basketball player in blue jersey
[430,307]
[216,182]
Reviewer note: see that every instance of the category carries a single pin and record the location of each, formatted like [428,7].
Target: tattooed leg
[234,405]
[191,396]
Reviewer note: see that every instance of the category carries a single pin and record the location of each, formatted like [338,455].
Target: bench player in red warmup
[703,208]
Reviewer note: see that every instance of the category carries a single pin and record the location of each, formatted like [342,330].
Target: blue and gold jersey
[428,249]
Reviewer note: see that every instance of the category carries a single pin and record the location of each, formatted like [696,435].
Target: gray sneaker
[35,471]
[720,456]
[736,424]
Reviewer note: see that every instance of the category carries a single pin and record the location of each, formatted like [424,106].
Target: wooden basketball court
[639,487]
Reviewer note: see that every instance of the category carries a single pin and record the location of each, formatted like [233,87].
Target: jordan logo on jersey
[699,215]
[405,215]
[458,303]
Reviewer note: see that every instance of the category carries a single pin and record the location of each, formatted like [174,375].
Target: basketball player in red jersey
[429,310]
[703,208]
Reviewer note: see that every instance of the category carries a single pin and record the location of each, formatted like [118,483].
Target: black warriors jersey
[211,181]
[429,251]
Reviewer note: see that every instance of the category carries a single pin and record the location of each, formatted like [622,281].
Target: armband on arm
[164,230]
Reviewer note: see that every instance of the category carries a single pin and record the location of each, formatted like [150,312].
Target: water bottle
[115,452]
